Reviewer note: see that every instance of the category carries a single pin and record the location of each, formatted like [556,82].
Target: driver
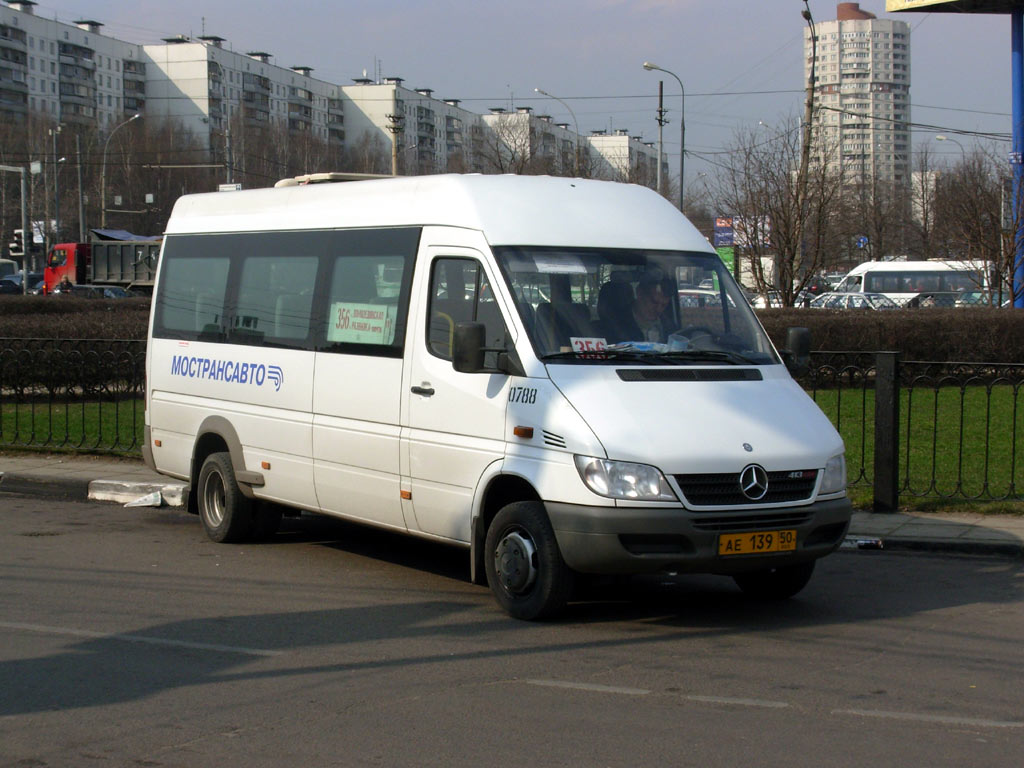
[652,298]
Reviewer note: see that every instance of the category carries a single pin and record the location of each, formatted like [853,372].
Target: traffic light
[17,245]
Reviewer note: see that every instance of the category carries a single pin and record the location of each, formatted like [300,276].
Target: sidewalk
[127,480]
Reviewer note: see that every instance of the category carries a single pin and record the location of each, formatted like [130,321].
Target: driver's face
[651,302]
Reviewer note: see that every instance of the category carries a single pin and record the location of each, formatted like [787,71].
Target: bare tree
[920,223]
[969,216]
[368,154]
[507,145]
[875,209]
[759,188]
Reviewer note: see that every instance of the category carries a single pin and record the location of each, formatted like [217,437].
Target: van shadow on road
[847,589]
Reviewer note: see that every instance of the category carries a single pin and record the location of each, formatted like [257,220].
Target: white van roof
[935,265]
[509,210]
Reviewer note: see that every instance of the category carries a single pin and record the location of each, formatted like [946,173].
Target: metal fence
[924,429]
[941,430]
[72,395]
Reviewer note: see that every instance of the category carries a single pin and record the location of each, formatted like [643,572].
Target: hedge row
[56,317]
[979,334]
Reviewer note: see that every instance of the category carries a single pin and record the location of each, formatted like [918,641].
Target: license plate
[757,542]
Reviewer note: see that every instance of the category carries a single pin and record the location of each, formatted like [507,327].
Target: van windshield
[652,307]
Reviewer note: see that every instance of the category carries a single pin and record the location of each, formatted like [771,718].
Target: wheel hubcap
[515,562]
[213,497]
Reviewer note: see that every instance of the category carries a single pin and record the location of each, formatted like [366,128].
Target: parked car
[975,299]
[11,284]
[94,291]
[698,297]
[853,301]
[943,299]
[774,300]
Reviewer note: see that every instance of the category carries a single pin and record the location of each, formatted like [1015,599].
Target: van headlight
[835,475]
[623,479]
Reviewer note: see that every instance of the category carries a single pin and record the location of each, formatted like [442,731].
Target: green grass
[76,426]
[953,443]
[935,467]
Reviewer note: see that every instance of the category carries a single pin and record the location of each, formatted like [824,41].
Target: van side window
[275,301]
[363,300]
[459,293]
[191,302]
[325,290]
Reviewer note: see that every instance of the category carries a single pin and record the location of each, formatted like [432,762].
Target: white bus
[902,281]
[459,358]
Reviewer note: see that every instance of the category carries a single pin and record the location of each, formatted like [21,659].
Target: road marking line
[589,687]
[742,702]
[138,639]
[942,719]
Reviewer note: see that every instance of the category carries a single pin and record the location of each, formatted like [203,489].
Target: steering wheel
[695,330]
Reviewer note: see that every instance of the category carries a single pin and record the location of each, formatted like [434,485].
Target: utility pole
[395,128]
[81,199]
[228,159]
[805,152]
[661,125]
[55,132]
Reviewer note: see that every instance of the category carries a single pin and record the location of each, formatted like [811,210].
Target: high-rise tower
[862,94]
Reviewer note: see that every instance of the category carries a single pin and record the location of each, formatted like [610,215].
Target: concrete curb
[174,494]
[956,547]
[44,485]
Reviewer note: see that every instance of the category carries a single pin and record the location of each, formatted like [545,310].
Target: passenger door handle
[426,390]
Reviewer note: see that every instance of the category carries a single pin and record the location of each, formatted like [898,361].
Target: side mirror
[468,347]
[797,353]
[468,352]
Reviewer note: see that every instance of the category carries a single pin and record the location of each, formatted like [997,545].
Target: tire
[266,519]
[225,512]
[775,583]
[525,569]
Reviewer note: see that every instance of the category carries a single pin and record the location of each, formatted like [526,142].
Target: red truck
[127,263]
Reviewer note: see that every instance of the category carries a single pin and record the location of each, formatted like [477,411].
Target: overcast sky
[740,60]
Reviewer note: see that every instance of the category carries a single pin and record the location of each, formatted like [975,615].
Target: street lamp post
[20,170]
[576,125]
[682,125]
[55,132]
[963,154]
[103,170]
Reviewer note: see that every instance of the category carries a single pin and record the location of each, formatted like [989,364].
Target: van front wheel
[225,512]
[525,569]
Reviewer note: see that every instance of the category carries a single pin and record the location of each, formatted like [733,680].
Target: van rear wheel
[775,583]
[525,569]
[226,513]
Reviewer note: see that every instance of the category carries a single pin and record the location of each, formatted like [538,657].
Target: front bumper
[625,540]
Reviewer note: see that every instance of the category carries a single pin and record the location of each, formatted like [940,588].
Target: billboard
[743,232]
[951,6]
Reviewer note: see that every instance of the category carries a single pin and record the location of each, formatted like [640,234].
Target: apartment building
[70,72]
[207,87]
[862,93]
[74,74]
[622,157]
[430,135]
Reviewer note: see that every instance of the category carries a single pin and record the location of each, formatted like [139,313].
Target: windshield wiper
[602,354]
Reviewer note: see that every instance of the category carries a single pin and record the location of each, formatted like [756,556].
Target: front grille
[721,490]
[739,523]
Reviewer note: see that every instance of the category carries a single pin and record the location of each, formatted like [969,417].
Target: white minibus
[901,281]
[498,362]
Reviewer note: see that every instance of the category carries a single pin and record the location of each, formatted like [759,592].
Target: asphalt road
[128,638]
